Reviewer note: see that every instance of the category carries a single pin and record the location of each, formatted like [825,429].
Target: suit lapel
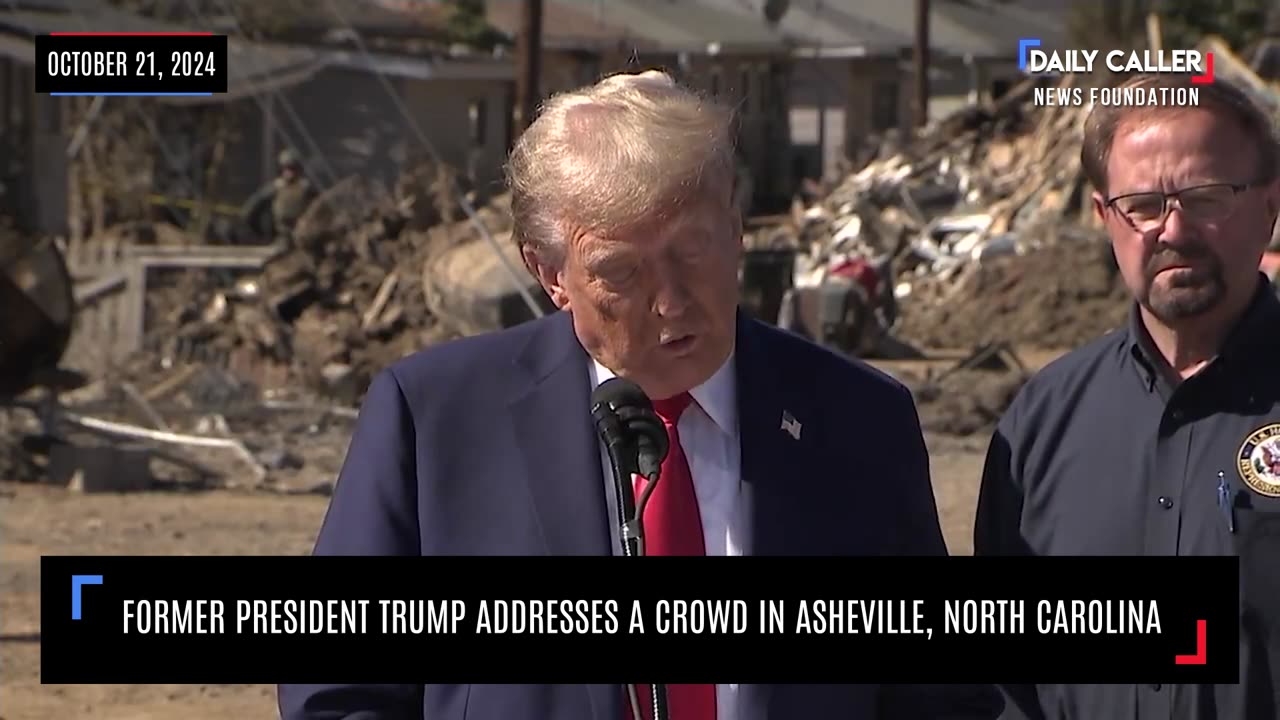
[784,516]
[550,411]
[553,427]
[768,451]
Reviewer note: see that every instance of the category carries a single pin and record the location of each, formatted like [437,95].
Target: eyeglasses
[1147,211]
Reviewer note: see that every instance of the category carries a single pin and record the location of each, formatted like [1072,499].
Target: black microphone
[636,441]
[635,419]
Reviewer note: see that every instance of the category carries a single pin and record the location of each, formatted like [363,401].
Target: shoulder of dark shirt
[1061,379]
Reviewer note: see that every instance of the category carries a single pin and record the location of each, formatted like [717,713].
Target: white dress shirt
[708,431]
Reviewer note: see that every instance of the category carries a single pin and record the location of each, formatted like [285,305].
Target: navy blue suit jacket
[443,460]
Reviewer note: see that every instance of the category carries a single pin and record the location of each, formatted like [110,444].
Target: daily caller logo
[1034,61]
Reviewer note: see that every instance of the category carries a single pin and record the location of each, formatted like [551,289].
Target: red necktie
[673,526]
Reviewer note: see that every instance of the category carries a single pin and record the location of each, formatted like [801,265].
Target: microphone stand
[623,451]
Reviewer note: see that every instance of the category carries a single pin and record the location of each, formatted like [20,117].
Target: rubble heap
[1060,296]
[1012,162]
[253,359]
[969,215]
[344,301]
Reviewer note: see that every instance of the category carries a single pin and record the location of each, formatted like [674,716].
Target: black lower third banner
[613,620]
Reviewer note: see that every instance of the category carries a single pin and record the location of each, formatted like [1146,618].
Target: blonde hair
[632,147]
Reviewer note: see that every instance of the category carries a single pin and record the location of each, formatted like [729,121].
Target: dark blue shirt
[1101,454]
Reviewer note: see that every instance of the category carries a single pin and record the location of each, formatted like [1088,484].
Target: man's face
[1200,257]
[657,303]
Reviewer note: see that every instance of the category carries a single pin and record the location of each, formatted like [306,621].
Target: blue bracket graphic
[1023,44]
[77,582]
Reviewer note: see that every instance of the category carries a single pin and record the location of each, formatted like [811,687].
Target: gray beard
[1186,299]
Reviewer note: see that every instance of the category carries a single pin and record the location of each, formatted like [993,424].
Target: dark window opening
[884,106]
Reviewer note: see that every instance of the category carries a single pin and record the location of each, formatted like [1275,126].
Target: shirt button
[1165,502]
[1177,415]
[1156,687]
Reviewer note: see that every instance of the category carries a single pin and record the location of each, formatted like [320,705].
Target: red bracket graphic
[1199,657]
[1207,76]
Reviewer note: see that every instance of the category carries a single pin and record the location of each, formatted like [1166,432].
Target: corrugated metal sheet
[1004,23]
[982,28]
[52,5]
[460,68]
[691,25]
[945,34]
[651,25]
[821,27]
[564,25]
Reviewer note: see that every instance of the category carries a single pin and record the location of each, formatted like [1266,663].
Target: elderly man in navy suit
[623,202]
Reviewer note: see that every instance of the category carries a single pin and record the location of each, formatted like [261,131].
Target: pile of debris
[248,362]
[992,180]
[346,299]
[250,371]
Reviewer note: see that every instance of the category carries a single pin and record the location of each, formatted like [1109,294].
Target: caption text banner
[481,619]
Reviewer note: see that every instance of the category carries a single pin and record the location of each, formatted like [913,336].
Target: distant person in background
[1154,439]
[274,210]
[623,208]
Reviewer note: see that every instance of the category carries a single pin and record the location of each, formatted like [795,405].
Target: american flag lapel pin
[791,425]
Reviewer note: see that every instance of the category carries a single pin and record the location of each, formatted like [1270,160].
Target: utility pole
[921,104]
[528,64]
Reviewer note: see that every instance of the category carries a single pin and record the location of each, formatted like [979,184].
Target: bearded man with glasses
[1161,438]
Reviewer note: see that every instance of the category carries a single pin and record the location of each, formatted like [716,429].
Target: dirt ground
[42,520]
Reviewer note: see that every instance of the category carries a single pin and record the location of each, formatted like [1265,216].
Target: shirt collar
[718,396]
[1142,350]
